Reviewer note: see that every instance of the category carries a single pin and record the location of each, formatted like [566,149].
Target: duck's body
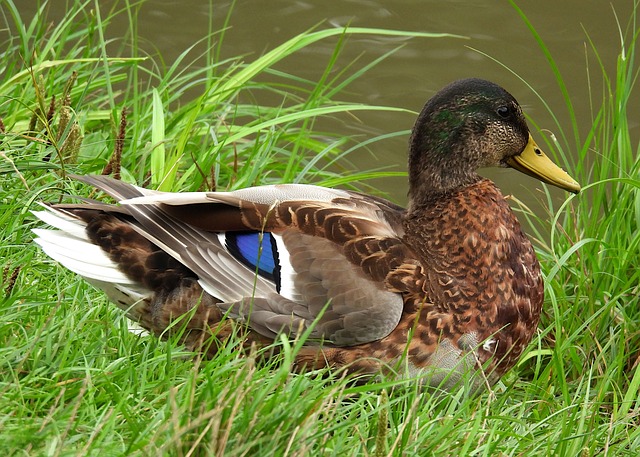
[445,287]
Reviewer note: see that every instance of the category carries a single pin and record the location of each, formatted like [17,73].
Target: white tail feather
[71,247]
[62,221]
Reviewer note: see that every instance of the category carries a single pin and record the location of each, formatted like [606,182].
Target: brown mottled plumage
[449,286]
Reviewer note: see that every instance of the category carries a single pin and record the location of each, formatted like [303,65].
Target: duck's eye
[503,111]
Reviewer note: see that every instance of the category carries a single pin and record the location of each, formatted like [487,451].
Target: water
[422,66]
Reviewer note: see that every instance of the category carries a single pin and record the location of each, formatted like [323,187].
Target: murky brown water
[422,66]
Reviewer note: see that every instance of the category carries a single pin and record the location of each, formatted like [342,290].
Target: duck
[445,290]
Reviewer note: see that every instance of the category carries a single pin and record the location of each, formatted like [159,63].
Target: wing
[281,257]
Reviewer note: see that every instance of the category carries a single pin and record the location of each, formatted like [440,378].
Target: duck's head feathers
[471,124]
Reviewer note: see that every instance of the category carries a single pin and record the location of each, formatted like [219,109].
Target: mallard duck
[450,285]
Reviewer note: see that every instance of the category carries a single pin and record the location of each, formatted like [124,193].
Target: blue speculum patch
[258,251]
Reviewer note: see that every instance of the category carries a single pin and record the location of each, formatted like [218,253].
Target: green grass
[75,381]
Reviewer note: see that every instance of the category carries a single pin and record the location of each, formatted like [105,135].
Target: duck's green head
[471,124]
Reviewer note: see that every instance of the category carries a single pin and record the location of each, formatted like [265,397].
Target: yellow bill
[533,162]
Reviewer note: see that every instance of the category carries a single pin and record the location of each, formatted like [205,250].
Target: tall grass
[593,280]
[75,381]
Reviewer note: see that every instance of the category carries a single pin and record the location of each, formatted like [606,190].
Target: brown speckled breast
[481,272]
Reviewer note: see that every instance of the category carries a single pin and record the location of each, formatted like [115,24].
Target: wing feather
[336,250]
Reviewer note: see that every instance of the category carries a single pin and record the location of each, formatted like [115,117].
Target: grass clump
[75,381]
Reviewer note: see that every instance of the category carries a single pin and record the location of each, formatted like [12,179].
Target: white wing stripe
[287,273]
